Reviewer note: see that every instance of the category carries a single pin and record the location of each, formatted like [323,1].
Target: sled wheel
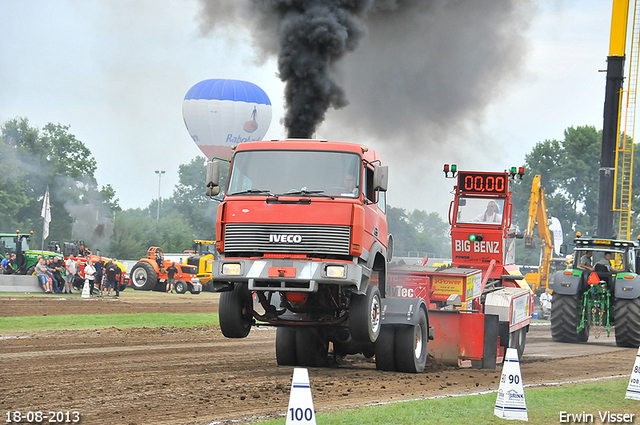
[411,345]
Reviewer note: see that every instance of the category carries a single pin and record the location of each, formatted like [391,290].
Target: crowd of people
[101,278]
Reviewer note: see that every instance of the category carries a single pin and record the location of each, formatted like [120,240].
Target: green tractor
[608,296]
[26,258]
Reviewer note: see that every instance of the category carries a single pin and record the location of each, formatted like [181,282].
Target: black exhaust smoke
[313,35]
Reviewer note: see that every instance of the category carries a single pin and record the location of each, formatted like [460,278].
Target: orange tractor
[150,274]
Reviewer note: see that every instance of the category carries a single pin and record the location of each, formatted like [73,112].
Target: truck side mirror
[563,249]
[380,177]
[213,178]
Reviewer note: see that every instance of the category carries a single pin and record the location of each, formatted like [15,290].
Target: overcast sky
[117,73]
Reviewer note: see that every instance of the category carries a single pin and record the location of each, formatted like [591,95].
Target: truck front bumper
[286,275]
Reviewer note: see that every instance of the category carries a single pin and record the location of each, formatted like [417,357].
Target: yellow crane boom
[538,216]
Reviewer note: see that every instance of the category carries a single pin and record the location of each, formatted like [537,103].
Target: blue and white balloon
[222,113]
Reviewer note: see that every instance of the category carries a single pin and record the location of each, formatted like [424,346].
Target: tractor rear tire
[312,347]
[235,312]
[143,276]
[627,326]
[411,345]
[181,286]
[286,346]
[364,315]
[385,351]
[564,319]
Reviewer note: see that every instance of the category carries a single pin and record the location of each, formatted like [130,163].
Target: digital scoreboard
[483,183]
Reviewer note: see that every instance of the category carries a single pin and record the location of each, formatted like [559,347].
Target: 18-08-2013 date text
[42,417]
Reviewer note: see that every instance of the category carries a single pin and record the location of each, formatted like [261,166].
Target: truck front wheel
[364,315]
[627,322]
[235,312]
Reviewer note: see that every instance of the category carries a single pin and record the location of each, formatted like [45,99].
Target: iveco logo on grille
[285,238]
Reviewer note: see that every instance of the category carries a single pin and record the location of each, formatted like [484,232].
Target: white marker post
[633,390]
[510,403]
[86,290]
[300,409]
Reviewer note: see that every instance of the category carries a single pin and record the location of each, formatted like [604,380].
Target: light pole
[159,173]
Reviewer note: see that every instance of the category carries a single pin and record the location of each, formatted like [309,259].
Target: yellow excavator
[204,252]
[539,280]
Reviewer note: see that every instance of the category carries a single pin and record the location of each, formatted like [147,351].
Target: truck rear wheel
[411,345]
[312,347]
[627,326]
[564,319]
[235,312]
[143,276]
[364,315]
[286,346]
[384,346]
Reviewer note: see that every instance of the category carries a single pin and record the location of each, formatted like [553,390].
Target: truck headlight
[231,269]
[336,271]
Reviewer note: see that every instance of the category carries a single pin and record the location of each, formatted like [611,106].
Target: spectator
[42,273]
[4,262]
[111,274]
[56,269]
[99,265]
[70,268]
[78,280]
[171,280]
[89,274]
[545,303]
[54,283]
[11,265]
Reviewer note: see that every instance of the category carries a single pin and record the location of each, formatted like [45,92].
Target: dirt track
[196,376]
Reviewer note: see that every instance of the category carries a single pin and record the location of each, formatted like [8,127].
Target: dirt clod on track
[196,376]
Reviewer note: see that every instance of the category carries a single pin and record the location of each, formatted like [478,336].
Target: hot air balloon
[222,113]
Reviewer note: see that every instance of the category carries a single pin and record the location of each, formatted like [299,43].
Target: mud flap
[490,351]
[401,311]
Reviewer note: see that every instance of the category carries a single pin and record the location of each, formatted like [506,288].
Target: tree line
[34,158]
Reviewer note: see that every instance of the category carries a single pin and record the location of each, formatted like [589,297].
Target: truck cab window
[369,193]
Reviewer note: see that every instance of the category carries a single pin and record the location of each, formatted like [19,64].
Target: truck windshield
[306,173]
[480,210]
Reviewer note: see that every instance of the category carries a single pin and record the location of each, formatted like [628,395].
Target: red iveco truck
[303,243]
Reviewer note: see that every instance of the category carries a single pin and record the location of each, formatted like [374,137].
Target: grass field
[33,323]
[544,406]
[93,321]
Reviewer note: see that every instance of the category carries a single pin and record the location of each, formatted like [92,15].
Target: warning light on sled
[473,237]
[516,173]
[453,169]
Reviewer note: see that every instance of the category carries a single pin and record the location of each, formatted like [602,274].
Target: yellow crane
[538,216]
[624,151]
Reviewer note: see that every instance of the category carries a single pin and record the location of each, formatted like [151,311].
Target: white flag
[46,214]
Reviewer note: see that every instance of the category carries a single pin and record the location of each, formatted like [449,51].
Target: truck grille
[283,238]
